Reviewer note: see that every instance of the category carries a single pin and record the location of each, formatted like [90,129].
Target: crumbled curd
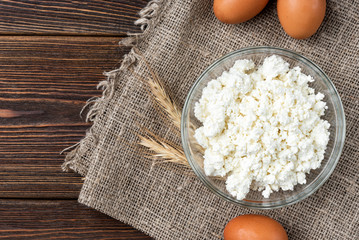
[261,127]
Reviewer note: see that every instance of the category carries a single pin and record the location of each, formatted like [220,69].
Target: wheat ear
[161,96]
[162,150]
[164,100]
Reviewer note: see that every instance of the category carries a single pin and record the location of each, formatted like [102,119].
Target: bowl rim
[323,175]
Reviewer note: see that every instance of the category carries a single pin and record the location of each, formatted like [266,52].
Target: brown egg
[237,11]
[254,227]
[300,19]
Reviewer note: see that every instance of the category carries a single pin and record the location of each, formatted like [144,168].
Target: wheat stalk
[162,150]
[164,100]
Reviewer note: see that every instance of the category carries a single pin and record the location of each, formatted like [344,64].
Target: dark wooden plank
[67,219]
[44,83]
[66,17]
[58,69]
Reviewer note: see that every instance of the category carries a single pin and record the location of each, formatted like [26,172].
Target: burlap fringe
[108,86]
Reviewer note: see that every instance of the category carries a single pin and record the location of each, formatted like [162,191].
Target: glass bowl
[334,115]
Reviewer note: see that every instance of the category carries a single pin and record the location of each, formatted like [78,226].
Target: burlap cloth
[180,39]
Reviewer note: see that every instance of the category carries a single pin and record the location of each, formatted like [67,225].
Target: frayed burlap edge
[147,21]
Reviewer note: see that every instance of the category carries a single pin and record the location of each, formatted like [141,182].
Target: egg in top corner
[237,11]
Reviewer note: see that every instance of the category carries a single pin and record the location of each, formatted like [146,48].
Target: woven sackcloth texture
[180,39]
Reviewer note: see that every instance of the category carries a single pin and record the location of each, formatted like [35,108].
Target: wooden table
[52,55]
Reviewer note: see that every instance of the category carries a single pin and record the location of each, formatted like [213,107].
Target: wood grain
[44,83]
[65,17]
[61,219]
[52,55]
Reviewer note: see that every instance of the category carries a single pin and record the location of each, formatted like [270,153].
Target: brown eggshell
[237,11]
[300,19]
[254,227]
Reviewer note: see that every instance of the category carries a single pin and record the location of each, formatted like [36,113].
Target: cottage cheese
[261,127]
